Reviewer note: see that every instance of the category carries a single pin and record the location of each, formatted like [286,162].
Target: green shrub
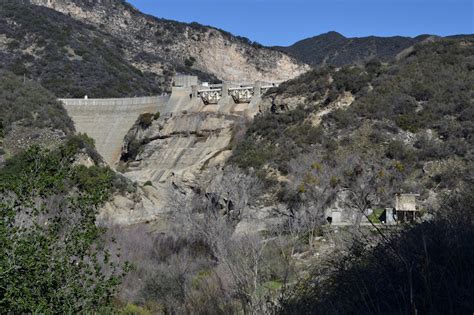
[250,154]
[95,180]
[313,83]
[14,44]
[351,79]
[276,139]
[341,118]
[408,122]
[145,120]
[376,215]
[132,309]
[397,150]
[189,62]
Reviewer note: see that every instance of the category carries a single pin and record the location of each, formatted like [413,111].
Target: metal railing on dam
[130,101]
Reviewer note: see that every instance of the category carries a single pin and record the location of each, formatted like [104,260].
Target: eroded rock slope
[167,157]
[153,44]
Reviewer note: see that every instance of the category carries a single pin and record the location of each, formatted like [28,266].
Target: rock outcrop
[180,145]
[151,44]
[168,157]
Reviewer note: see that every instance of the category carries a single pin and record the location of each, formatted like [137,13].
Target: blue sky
[283,22]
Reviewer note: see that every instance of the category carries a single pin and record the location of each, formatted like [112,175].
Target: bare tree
[216,204]
[313,185]
[211,212]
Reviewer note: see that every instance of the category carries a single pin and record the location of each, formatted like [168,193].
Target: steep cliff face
[179,146]
[151,43]
[168,157]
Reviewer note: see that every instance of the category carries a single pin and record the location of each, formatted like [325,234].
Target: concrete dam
[108,121]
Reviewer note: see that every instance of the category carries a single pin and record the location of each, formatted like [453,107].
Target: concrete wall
[107,121]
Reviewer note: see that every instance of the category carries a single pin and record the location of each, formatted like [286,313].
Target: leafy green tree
[51,250]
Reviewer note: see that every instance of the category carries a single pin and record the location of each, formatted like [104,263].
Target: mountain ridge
[333,48]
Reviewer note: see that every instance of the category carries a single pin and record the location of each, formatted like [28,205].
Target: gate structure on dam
[108,121]
[240,93]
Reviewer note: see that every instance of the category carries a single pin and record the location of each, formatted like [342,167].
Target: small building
[406,208]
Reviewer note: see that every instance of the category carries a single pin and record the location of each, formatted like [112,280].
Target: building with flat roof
[185,81]
[406,207]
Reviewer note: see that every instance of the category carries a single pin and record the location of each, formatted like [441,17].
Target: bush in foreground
[51,251]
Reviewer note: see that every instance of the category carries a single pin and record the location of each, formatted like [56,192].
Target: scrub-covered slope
[68,57]
[162,46]
[334,49]
[412,121]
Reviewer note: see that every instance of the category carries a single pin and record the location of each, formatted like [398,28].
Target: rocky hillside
[402,119]
[409,122]
[334,49]
[168,155]
[68,57]
[158,46]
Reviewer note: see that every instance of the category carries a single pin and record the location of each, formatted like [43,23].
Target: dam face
[107,121]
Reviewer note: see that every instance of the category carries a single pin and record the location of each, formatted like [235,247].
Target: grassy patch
[376,215]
